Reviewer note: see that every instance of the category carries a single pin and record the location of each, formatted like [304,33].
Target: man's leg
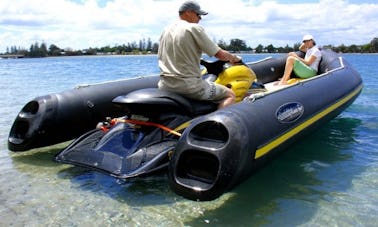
[230,99]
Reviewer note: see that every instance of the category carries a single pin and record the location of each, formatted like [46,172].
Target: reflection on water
[149,190]
[57,194]
[42,157]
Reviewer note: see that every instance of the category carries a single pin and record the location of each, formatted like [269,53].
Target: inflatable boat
[207,151]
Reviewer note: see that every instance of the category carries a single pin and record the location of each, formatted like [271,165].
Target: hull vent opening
[198,166]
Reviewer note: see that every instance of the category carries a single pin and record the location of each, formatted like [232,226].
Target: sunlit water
[330,178]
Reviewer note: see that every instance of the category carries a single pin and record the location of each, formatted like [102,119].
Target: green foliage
[54,50]
[37,51]
[374,45]
[259,48]
[237,45]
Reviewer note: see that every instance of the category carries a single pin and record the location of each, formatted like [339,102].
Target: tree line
[148,47]
[41,50]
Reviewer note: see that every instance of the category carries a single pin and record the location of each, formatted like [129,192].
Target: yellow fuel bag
[239,78]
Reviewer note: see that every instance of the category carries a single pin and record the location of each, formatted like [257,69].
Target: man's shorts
[210,92]
[302,70]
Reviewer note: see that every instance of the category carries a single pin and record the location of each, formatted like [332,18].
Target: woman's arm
[303,48]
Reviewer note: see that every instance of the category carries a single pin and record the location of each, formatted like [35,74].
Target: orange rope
[147,123]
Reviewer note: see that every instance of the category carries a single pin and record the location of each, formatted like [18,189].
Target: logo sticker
[289,112]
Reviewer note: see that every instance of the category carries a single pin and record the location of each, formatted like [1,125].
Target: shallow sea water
[327,179]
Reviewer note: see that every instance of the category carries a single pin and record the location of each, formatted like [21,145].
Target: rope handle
[113,121]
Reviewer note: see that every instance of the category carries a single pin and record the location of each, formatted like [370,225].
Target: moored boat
[214,151]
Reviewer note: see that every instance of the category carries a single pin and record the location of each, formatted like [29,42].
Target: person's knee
[231,94]
[290,59]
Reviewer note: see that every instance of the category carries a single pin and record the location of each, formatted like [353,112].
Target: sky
[80,24]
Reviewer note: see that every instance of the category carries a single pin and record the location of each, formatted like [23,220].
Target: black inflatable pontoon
[63,116]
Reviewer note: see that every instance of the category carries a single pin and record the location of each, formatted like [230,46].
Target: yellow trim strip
[183,126]
[284,137]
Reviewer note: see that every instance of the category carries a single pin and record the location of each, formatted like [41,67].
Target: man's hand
[235,59]
[227,56]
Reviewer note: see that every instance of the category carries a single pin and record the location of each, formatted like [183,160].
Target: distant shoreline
[7,56]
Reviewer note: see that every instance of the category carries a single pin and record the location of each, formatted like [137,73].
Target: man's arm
[224,55]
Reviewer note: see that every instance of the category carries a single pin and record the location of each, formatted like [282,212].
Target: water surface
[327,179]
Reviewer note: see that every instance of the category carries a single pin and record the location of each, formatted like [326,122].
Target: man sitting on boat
[303,67]
[180,49]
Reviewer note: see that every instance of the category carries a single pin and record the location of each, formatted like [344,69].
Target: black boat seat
[153,101]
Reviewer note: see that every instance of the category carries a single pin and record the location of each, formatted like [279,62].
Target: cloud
[89,23]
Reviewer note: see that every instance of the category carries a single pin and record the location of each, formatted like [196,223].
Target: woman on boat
[303,67]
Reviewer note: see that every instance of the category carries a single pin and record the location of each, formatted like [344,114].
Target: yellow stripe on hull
[281,139]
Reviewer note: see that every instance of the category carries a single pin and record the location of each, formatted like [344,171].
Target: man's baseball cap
[192,5]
